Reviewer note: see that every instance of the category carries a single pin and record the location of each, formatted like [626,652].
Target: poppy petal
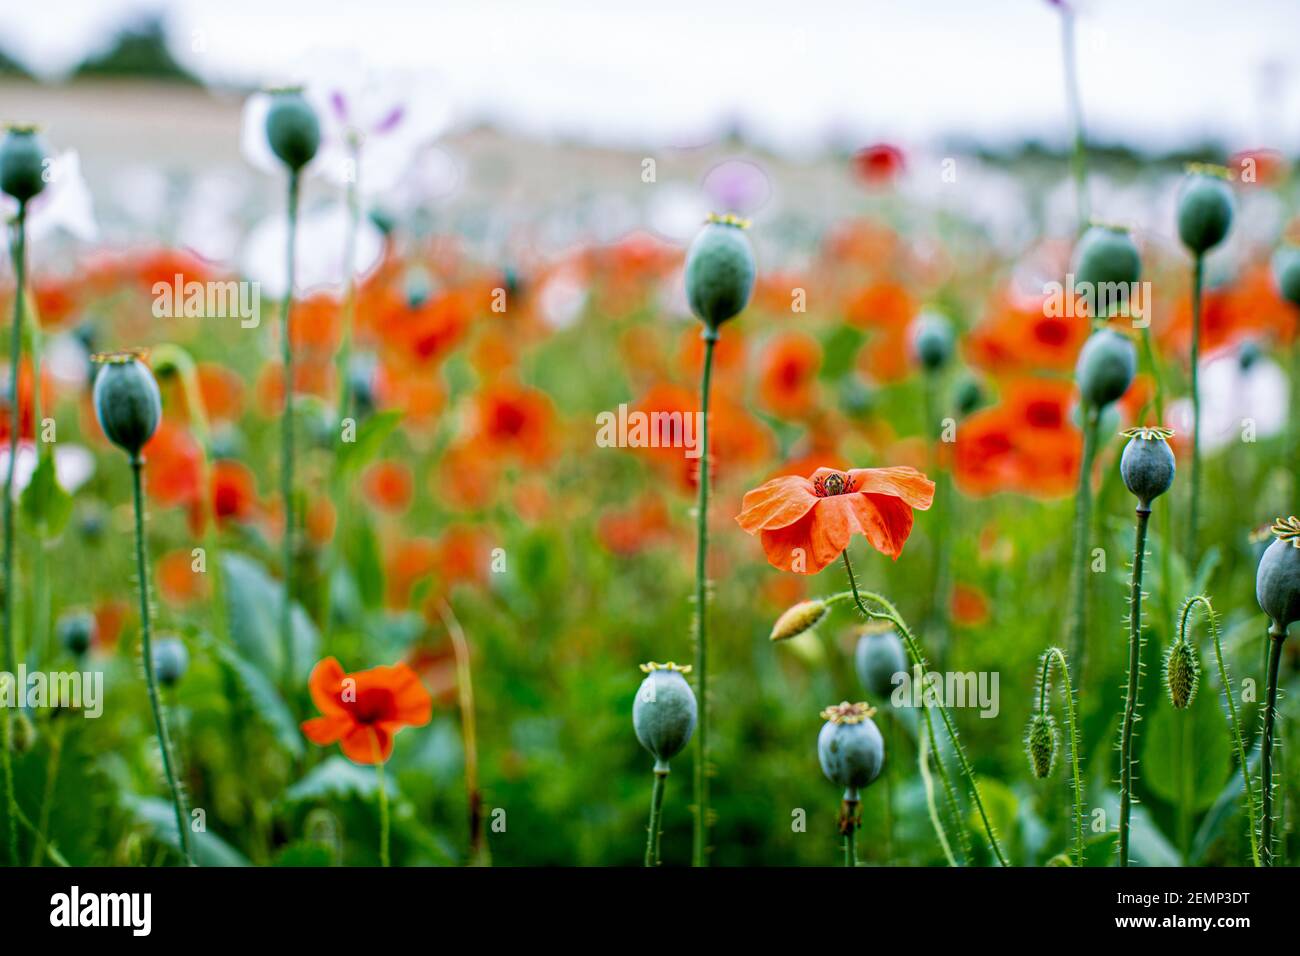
[367,744]
[325,682]
[901,482]
[886,521]
[777,504]
[814,541]
[325,730]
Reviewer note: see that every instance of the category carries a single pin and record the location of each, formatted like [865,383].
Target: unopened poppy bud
[803,616]
[1040,745]
[23,158]
[1277,580]
[1286,273]
[1205,206]
[1147,465]
[1107,255]
[1182,674]
[1106,366]
[664,712]
[292,129]
[850,747]
[22,733]
[76,631]
[127,401]
[720,271]
[170,660]
[878,657]
[932,341]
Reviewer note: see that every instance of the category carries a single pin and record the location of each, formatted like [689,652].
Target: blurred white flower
[320,251]
[64,205]
[208,222]
[561,298]
[74,465]
[1234,399]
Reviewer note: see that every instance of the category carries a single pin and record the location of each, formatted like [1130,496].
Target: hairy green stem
[146,651]
[890,613]
[1276,637]
[1134,685]
[1082,526]
[699,855]
[286,443]
[656,814]
[57,729]
[1194,512]
[923,746]
[1044,683]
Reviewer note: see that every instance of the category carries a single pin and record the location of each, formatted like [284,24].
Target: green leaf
[159,817]
[1186,755]
[305,853]
[363,556]
[370,437]
[253,614]
[337,778]
[44,502]
[262,694]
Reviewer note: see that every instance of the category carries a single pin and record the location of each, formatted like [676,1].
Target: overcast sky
[1155,73]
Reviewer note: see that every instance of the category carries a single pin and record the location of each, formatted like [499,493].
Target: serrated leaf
[262,694]
[253,614]
[337,778]
[43,501]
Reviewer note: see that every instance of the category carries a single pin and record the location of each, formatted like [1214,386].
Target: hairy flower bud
[803,616]
[1182,674]
[664,712]
[1040,745]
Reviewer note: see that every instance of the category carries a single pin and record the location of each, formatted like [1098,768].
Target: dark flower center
[372,705]
[833,484]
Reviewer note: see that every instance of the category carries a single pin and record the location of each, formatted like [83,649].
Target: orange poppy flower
[788,374]
[805,523]
[178,582]
[388,486]
[515,419]
[362,712]
[234,491]
[968,605]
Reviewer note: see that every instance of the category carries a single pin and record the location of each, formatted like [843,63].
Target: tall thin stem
[286,441]
[1082,527]
[850,812]
[1195,510]
[468,731]
[890,613]
[699,856]
[1074,107]
[146,651]
[1276,637]
[1134,685]
[382,786]
[19,251]
[656,814]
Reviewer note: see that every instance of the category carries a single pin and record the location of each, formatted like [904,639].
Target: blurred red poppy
[363,711]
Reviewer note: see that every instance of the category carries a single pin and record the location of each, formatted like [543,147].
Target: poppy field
[363,533]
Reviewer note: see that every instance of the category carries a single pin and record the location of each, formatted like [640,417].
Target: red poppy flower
[878,165]
[805,523]
[362,712]
[788,374]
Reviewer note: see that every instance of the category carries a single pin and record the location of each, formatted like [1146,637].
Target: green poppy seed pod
[803,616]
[1247,354]
[127,402]
[1106,366]
[170,660]
[22,733]
[76,631]
[1205,206]
[292,129]
[1182,674]
[877,658]
[23,158]
[664,712]
[1040,745]
[1107,255]
[720,271]
[1286,273]
[1277,580]
[932,341]
[850,747]
[968,395]
[1147,464]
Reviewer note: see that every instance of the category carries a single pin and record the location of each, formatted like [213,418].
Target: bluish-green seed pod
[850,747]
[171,659]
[664,712]
[1106,366]
[76,631]
[1286,273]
[23,158]
[1182,674]
[857,398]
[1277,580]
[933,341]
[720,271]
[877,658]
[1147,464]
[127,401]
[1041,745]
[967,395]
[1107,256]
[1205,207]
[292,129]
[1248,354]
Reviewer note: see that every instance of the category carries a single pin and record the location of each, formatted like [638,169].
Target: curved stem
[699,856]
[146,651]
[286,443]
[468,731]
[890,613]
[1276,637]
[656,814]
[19,252]
[1194,513]
[1055,653]
[1082,526]
[1134,686]
[923,763]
